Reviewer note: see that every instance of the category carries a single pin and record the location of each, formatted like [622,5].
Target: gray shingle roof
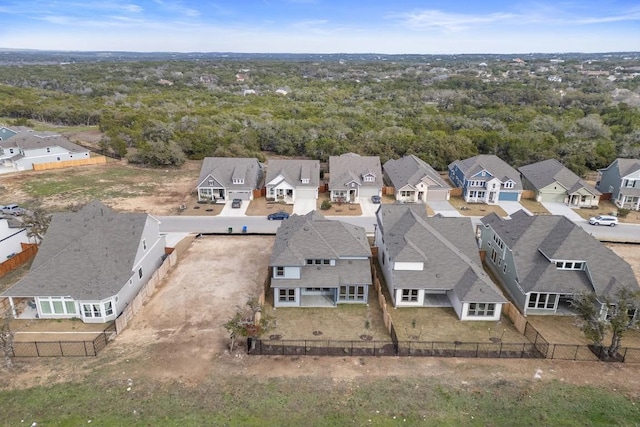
[352,167]
[31,140]
[535,240]
[224,169]
[628,166]
[86,255]
[447,248]
[312,236]
[492,164]
[293,171]
[410,170]
[547,172]
[345,272]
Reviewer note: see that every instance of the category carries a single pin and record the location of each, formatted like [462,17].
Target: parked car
[376,199]
[13,209]
[236,203]
[609,220]
[278,215]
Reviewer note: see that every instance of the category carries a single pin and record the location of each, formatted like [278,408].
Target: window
[48,150]
[369,178]
[504,268]
[309,262]
[542,301]
[569,265]
[326,261]
[509,184]
[238,180]
[481,309]
[140,273]
[45,307]
[108,308]
[279,271]
[305,180]
[58,307]
[91,310]
[498,241]
[70,306]
[144,244]
[287,295]
[494,255]
[410,295]
[318,262]
[351,293]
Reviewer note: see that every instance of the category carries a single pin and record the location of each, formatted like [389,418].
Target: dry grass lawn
[346,209]
[606,207]
[475,209]
[262,207]
[534,207]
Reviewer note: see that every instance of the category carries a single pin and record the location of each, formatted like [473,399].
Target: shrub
[622,212]
[326,204]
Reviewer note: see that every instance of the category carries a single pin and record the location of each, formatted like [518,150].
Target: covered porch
[214,194]
[628,202]
[582,200]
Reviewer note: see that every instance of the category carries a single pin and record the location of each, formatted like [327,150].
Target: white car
[13,209]
[609,220]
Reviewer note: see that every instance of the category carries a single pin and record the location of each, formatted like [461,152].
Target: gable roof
[352,167]
[223,170]
[293,171]
[33,140]
[411,170]
[86,255]
[492,164]
[627,166]
[547,172]
[446,247]
[312,236]
[538,240]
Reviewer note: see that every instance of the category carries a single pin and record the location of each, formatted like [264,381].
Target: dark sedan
[278,215]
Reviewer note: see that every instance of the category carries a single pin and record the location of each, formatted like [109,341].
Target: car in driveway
[376,199]
[236,203]
[609,220]
[12,209]
[278,215]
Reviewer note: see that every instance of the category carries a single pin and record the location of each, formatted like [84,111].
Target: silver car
[609,220]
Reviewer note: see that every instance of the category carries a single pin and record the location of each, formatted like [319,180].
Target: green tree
[248,322]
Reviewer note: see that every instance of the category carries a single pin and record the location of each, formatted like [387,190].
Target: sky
[323,26]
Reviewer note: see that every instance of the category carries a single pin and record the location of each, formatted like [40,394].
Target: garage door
[433,195]
[242,195]
[553,198]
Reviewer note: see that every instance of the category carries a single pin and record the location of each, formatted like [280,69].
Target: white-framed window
[286,295]
[509,184]
[57,305]
[279,271]
[91,310]
[140,273]
[368,178]
[108,308]
[570,265]
[410,295]
[481,309]
[498,241]
[542,300]
[351,293]
[305,180]
[504,268]
[494,255]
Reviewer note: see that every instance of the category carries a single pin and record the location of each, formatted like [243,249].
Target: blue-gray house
[486,179]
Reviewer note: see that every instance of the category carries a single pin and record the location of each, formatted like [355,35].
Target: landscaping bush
[326,204]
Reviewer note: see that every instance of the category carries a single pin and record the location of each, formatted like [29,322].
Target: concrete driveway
[368,207]
[304,206]
[229,211]
[562,209]
[444,208]
[512,207]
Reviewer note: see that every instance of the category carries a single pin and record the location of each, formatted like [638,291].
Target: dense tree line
[162,112]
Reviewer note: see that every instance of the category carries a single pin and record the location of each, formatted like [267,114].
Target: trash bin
[230,230]
[244,229]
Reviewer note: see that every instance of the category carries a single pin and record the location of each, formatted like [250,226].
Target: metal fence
[64,348]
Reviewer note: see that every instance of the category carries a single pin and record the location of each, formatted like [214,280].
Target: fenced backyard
[66,348]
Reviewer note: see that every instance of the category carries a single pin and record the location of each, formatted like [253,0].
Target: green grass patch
[235,401]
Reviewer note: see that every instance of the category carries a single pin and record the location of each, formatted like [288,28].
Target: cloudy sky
[323,26]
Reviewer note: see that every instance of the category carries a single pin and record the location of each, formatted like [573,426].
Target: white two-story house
[26,148]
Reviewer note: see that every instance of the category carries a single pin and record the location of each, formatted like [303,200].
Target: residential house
[288,180]
[228,178]
[414,180]
[434,262]
[318,262]
[6,132]
[12,235]
[552,182]
[90,265]
[26,148]
[544,260]
[622,180]
[486,179]
[353,177]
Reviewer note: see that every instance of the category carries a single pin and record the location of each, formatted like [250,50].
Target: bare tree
[6,340]
[623,313]
[248,322]
[37,221]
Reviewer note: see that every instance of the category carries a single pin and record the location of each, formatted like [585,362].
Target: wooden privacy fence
[145,292]
[98,160]
[64,348]
[29,250]
[528,194]
[455,192]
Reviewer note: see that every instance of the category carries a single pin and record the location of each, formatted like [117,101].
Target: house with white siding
[317,262]
[434,262]
[12,235]
[90,265]
[226,178]
[353,177]
[414,180]
[288,180]
[26,148]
